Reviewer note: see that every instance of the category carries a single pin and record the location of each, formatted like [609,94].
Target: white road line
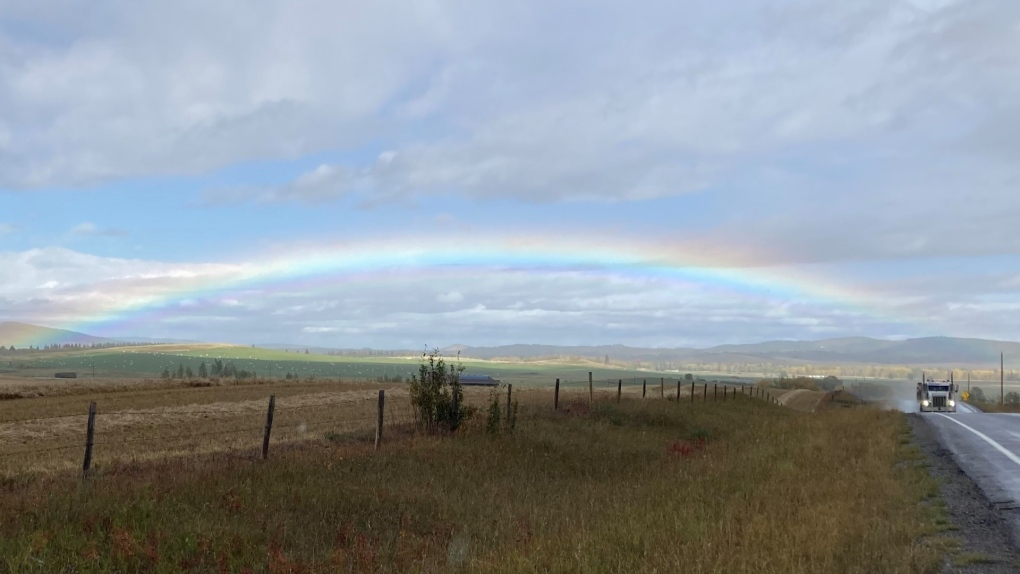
[986,438]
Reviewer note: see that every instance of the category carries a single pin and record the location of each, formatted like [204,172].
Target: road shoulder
[985,532]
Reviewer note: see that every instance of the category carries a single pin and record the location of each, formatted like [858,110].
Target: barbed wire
[32,419]
[153,412]
[40,450]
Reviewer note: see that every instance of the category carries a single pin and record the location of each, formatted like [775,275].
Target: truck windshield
[938,388]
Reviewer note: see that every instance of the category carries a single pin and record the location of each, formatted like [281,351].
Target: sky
[396,174]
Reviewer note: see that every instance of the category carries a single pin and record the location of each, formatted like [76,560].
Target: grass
[995,407]
[969,558]
[636,486]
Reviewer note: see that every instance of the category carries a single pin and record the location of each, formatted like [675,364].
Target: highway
[986,446]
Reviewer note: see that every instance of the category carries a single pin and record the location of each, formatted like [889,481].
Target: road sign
[965,395]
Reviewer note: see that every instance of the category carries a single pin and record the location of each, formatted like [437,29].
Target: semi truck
[937,396]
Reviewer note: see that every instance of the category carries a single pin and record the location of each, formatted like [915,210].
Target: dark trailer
[478,381]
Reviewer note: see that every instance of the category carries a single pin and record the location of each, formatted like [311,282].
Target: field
[636,486]
[43,422]
[150,361]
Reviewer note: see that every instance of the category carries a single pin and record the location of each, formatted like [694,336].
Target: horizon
[664,175]
[267,344]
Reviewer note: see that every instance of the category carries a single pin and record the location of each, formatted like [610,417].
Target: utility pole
[1002,380]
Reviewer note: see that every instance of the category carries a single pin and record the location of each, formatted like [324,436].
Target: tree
[188,373]
[203,373]
[688,377]
[166,373]
[180,371]
[1012,398]
[977,395]
[830,383]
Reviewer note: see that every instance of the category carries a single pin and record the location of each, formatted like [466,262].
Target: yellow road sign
[965,395]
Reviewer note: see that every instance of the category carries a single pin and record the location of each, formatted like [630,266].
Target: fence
[256,426]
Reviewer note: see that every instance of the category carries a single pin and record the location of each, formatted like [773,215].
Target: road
[986,446]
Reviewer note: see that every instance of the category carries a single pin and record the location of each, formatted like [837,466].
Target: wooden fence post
[619,390]
[509,393]
[662,387]
[90,435]
[692,392]
[591,391]
[715,391]
[379,417]
[644,388]
[704,393]
[556,396]
[269,426]
[725,391]
[678,390]
[454,424]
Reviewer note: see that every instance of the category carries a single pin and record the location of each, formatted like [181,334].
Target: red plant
[124,544]
[686,449]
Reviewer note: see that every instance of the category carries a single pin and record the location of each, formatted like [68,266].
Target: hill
[837,351]
[24,335]
[848,350]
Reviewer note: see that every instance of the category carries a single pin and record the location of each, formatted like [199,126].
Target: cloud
[92,230]
[484,100]
[487,306]
[6,228]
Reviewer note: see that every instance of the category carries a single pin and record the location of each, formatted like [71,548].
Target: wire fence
[39,443]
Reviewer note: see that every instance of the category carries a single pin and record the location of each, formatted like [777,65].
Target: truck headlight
[952,403]
[924,403]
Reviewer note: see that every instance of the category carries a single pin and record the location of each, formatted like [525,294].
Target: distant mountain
[862,350]
[24,335]
[847,350]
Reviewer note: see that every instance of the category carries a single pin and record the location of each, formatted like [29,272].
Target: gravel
[983,528]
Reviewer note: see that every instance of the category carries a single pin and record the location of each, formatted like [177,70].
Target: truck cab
[937,396]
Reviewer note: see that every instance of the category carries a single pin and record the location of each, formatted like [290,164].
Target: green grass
[639,486]
[968,558]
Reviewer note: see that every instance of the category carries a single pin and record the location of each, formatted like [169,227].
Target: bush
[830,383]
[977,395]
[788,383]
[436,394]
[1012,398]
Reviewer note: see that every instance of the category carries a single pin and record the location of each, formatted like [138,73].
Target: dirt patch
[988,542]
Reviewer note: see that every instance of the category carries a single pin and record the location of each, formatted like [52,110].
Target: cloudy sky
[396,174]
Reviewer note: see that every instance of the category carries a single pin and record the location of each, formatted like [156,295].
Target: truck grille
[939,402]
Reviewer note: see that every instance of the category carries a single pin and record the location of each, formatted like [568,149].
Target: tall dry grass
[636,486]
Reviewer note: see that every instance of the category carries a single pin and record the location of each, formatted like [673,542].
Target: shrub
[1012,398]
[436,394]
[788,383]
[977,395]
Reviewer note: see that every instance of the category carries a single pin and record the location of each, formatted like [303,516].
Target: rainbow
[328,268]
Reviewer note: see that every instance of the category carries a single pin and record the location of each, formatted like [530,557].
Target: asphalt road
[986,446]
